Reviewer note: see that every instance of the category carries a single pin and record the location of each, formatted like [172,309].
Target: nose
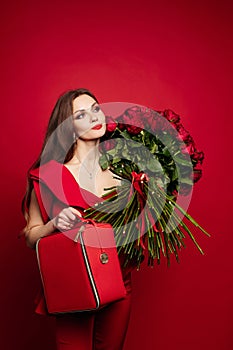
[93,117]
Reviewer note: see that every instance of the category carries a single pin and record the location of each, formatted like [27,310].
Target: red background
[162,54]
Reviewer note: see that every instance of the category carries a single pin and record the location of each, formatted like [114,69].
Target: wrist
[53,224]
[50,227]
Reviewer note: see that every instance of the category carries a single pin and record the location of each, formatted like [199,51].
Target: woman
[73,135]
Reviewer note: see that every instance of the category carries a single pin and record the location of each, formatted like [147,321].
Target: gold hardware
[82,228]
[104,258]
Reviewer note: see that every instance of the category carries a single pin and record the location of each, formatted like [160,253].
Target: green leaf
[186,180]
[182,161]
[103,162]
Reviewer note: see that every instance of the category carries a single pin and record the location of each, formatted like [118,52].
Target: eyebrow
[81,110]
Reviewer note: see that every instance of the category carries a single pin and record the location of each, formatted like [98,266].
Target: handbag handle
[103,256]
[82,228]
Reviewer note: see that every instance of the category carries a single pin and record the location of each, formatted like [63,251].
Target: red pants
[101,330]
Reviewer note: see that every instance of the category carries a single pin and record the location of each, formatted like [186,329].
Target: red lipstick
[97,127]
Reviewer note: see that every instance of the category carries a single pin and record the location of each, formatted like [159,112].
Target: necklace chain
[90,173]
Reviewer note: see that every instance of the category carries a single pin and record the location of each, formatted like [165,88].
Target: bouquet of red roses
[157,162]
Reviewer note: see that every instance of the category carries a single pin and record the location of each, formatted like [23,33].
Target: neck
[87,150]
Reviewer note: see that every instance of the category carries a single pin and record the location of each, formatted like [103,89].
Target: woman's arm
[36,228]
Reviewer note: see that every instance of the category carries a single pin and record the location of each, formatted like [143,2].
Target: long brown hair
[60,139]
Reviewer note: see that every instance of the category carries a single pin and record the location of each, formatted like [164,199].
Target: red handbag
[80,269]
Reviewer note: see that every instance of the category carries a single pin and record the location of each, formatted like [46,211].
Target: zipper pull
[82,228]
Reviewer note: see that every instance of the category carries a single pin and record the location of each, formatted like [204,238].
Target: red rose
[171,116]
[190,149]
[154,121]
[107,145]
[121,126]
[162,123]
[131,120]
[121,122]
[198,156]
[197,174]
[184,135]
[111,125]
[133,130]
[136,113]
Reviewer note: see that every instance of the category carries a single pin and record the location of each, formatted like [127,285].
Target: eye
[96,109]
[79,116]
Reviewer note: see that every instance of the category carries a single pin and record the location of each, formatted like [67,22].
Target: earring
[74,137]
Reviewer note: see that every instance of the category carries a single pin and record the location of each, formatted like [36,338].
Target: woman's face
[88,118]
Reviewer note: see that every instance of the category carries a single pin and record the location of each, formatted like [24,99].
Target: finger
[65,225]
[76,212]
[69,215]
[61,224]
[63,220]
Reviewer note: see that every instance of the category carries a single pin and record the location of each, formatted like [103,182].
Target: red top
[56,188]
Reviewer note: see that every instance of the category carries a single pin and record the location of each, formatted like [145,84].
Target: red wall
[163,54]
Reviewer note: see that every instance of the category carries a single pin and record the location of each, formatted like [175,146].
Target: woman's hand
[36,228]
[66,219]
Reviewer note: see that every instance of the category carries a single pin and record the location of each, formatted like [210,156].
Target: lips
[97,127]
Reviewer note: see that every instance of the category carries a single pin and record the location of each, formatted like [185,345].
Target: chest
[97,182]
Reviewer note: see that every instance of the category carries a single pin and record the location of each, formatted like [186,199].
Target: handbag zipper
[90,273]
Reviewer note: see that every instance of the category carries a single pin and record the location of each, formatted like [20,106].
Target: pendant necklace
[90,173]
